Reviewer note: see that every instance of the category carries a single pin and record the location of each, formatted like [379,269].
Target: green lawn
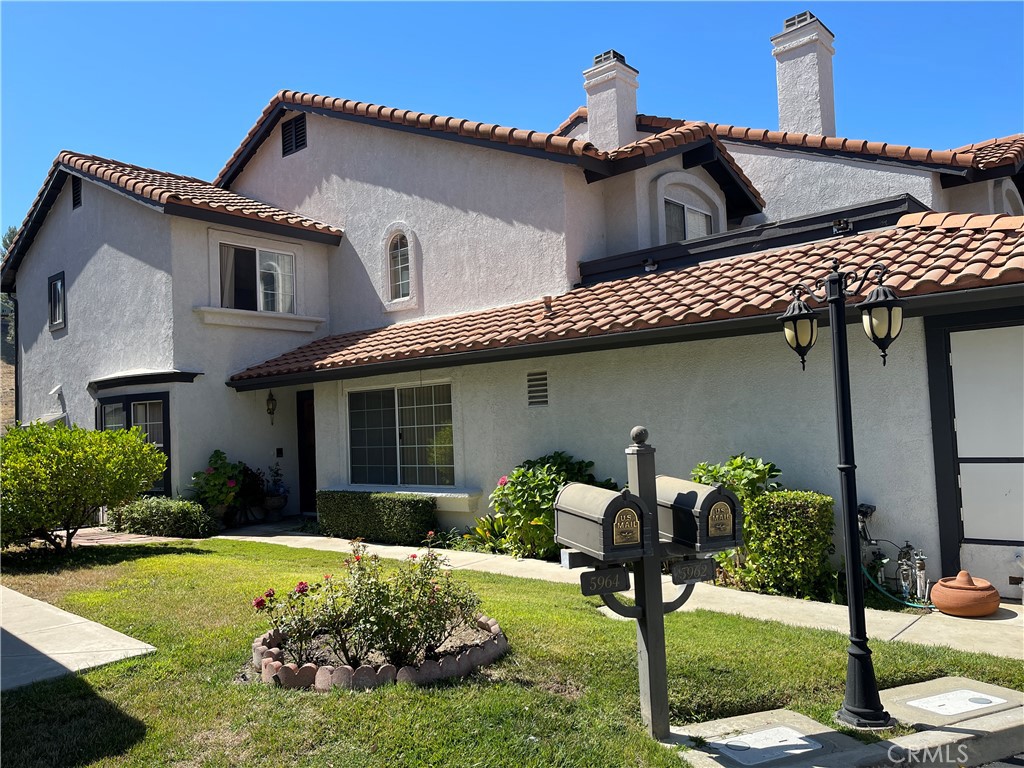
[566,695]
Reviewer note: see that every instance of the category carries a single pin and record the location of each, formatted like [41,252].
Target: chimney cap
[802,19]
[609,55]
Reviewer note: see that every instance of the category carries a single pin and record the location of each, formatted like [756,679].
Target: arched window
[398,266]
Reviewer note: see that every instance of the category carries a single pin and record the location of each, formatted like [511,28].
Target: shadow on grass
[38,560]
[63,722]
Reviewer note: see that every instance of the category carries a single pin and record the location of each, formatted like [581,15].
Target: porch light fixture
[882,318]
[271,406]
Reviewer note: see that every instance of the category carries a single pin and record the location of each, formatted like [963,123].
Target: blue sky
[176,86]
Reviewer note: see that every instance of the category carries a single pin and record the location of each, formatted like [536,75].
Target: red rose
[259,603]
[358,558]
[269,593]
[232,483]
[301,588]
[503,480]
[412,557]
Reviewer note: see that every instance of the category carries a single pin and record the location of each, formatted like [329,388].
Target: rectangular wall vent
[537,389]
[76,192]
[293,135]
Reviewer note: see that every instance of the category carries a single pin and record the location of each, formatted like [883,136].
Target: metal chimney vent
[798,21]
[537,389]
[607,56]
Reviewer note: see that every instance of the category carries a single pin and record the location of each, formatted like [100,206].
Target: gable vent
[537,389]
[293,135]
[76,192]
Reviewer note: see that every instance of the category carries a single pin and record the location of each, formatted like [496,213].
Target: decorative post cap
[639,435]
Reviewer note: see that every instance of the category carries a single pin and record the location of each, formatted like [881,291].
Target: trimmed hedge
[159,516]
[385,518]
[789,537]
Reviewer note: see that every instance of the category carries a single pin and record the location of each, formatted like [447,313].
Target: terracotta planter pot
[965,596]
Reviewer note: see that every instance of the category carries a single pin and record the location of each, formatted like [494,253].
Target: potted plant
[216,486]
[276,490]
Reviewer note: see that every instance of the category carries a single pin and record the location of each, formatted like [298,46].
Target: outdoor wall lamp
[271,406]
[882,318]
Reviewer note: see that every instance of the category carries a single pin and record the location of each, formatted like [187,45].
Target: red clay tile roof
[993,153]
[927,253]
[550,143]
[546,142]
[988,154]
[162,187]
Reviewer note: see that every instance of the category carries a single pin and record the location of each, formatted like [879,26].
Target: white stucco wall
[490,225]
[702,400]
[795,183]
[116,257]
[206,413]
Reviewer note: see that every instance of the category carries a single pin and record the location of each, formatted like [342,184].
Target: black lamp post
[882,316]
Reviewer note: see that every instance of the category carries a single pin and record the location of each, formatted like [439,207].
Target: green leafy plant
[218,484]
[388,518]
[524,502]
[789,542]
[159,516]
[403,615]
[275,485]
[55,478]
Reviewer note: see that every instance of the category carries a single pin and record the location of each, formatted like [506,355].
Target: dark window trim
[143,379]
[940,391]
[63,323]
[293,135]
[125,401]
[76,192]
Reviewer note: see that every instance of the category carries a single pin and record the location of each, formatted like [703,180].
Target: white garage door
[988,403]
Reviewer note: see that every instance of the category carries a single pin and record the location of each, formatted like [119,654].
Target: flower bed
[267,657]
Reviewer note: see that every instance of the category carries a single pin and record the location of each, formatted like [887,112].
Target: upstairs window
[57,301]
[293,135]
[398,267]
[76,192]
[683,222]
[257,279]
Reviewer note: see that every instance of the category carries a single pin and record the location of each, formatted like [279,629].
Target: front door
[306,420]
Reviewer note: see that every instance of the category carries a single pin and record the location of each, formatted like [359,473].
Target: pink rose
[209,470]
[503,480]
[301,588]
[232,483]
[430,534]
[259,603]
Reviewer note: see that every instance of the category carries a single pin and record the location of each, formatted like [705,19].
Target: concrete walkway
[39,641]
[1001,634]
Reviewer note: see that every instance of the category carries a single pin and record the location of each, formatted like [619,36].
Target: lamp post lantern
[882,315]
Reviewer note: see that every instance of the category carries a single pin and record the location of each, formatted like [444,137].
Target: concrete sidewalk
[1001,634]
[39,641]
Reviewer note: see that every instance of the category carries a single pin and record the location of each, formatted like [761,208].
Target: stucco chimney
[803,67]
[611,101]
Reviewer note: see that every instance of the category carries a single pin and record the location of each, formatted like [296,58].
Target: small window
[402,436]
[685,223]
[76,192]
[257,279]
[293,135]
[537,389]
[57,302]
[398,267]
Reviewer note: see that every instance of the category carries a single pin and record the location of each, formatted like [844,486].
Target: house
[424,301]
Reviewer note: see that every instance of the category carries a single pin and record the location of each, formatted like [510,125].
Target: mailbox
[608,526]
[704,518]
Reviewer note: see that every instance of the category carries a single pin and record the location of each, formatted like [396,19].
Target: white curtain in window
[277,281]
[698,224]
[227,276]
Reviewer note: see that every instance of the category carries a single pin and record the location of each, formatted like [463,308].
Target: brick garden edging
[267,655]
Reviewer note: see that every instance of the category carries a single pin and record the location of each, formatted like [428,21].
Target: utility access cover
[762,746]
[956,702]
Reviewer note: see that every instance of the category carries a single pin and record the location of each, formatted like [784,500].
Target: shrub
[158,516]
[403,615]
[789,542]
[57,477]
[218,484]
[524,501]
[387,518]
